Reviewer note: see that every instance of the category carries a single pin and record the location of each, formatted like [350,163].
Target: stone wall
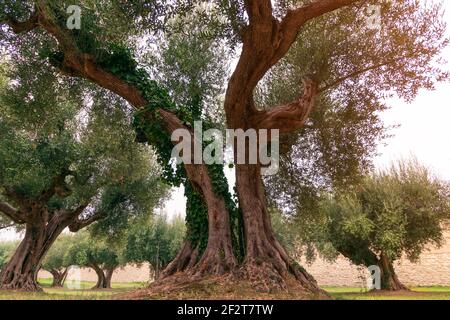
[128,273]
[433,268]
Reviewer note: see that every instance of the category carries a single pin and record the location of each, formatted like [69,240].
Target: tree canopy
[156,242]
[314,70]
[393,213]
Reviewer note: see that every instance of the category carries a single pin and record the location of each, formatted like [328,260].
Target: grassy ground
[340,293]
[416,293]
[84,292]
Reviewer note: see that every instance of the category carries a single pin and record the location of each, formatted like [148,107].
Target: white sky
[424,126]
[424,132]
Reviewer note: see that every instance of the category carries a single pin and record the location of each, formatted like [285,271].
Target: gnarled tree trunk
[100,277]
[389,279]
[266,262]
[58,277]
[21,271]
[108,277]
[218,257]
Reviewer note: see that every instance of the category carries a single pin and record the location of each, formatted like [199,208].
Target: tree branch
[290,117]
[360,72]
[265,41]
[294,20]
[258,9]
[78,64]
[79,224]
[6,227]
[25,26]
[15,215]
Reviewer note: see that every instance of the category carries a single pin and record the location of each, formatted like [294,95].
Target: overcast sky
[424,126]
[424,132]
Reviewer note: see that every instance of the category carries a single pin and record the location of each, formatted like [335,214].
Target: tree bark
[100,277]
[389,279]
[58,277]
[218,256]
[266,263]
[21,271]
[108,277]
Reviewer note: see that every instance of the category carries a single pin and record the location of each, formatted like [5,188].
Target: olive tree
[156,243]
[367,61]
[55,262]
[393,213]
[60,159]
[98,255]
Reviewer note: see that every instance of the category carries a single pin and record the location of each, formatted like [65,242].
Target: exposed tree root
[226,287]
[20,282]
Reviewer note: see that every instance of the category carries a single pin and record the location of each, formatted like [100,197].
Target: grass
[84,292]
[340,293]
[416,293]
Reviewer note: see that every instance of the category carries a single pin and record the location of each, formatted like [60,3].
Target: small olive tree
[392,213]
[157,243]
[55,262]
[6,250]
[92,253]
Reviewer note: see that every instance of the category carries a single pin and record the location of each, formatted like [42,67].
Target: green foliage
[360,68]
[156,242]
[87,140]
[127,204]
[86,251]
[394,212]
[6,250]
[119,60]
[55,257]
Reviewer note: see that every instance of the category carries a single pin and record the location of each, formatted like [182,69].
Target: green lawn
[339,293]
[84,293]
[417,293]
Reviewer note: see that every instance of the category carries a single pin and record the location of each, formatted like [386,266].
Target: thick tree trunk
[218,257]
[108,277]
[389,279]
[101,278]
[21,271]
[58,277]
[266,263]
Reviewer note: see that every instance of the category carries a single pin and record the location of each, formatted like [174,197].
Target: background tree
[156,243]
[400,61]
[55,262]
[6,249]
[392,213]
[98,255]
[58,171]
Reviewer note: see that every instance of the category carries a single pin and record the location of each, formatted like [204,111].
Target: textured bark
[108,277]
[41,231]
[266,262]
[218,256]
[101,283]
[59,276]
[21,271]
[389,279]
